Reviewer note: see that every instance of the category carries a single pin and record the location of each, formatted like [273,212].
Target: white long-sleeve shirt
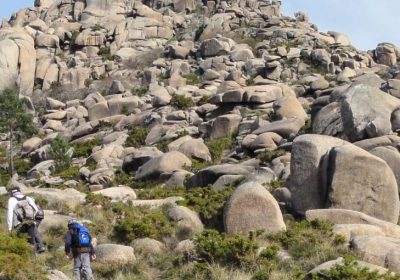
[12,203]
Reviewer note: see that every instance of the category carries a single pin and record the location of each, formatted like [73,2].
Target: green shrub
[17,260]
[55,85]
[193,79]
[97,27]
[198,165]
[140,90]
[105,54]
[218,146]
[160,192]
[69,173]
[122,178]
[97,199]
[269,155]
[212,246]
[59,152]
[310,243]
[275,184]
[350,270]
[203,100]
[22,166]
[136,136]
[140,223]
[84,149]
[162,78]
[181,102]
[208,203]
[105,125]
[307,127]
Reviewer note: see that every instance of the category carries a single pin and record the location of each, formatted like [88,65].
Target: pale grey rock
[379,250]
[225,125]
[373,189]
[344,216]
[148,247]
[113,254]
[168,162]
[211,174]
[188,221]
[308,192]
[250,208]
[117,194]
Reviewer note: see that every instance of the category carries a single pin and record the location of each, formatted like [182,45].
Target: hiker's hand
[93,257]
[67,256]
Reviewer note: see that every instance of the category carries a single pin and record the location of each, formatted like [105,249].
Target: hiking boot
[41,250]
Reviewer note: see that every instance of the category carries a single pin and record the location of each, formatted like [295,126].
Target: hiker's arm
[67,247]
[91,248]
[10,213]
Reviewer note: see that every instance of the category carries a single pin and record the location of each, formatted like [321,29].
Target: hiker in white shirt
[21,216]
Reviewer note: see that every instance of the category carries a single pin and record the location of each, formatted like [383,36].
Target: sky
[367,22]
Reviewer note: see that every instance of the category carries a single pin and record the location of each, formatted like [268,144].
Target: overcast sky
[367,22]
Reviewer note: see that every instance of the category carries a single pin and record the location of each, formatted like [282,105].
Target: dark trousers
[32,230]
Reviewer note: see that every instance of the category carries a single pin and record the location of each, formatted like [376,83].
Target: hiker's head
[72,223]
[14,191]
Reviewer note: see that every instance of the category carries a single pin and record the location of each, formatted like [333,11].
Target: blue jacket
[75,250]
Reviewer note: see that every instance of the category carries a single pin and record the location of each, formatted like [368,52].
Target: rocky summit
[200,140]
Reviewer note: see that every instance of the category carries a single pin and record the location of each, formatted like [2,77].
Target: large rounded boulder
[113,254]
[250,208]
[167,163]
[362,182]
[305,182]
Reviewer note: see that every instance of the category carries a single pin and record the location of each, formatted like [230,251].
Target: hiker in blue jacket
[79,242]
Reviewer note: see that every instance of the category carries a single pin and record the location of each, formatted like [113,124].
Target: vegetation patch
[59,151]
[350,270]
[17,260]
[181,102]
[193,79]
[269,155]
[84,149]
[208,203]
[160,192]
[133,223]
[136,136]
[218,146]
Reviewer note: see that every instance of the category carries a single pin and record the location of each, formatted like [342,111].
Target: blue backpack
[81,236]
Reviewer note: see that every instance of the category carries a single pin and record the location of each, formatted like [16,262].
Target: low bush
[136,136]
[140,223]
[193,79]
[310,244]
[269,155]
[208,203]
[69,173]
[17,260]
[97,199]
[59,151]
[22,166]
[307,127]
[350,270]
[203,100]
[160,192]
[181,102]
[140,90]
[84,149]
[218,146]
[214,247]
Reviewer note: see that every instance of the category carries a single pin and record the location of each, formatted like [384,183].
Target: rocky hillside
[205,140]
